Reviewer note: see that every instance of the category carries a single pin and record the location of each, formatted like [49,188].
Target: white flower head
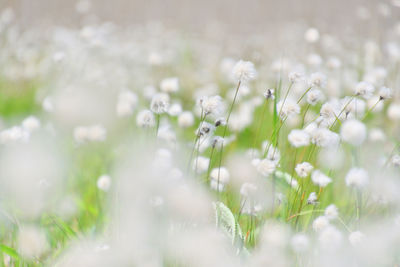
[312,198]
[364,89]
[31,124]
[244,71]
[357,177]
[331,212]
[104,182]
[295,77]
[219,178]
[269,94]
[169,85]
[320,178]
[159,103]
[266,167]
[288,108]
[356,238]
[299,138]
[311,35]
[393,111]
[212,105]
[303,169]
[385,93]
[300,243]
[320,223]
[314,96]
[317,79]
[324,138]
[200,164]
[353,132]
[145,119]
[186,119]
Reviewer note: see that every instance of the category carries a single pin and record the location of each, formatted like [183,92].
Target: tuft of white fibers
[47,104]
[364,89]
[320,223]
[311,35]
[14,134]
[300,243]
[244,71]
[323,137]
[145,119]
[104,182]
[330,237]
[200,164]
[376,135]
[320,178]
[385,93]
[266,167]
[331,212]
[248,189]
[159,103]
[353,132]
[312,198]
[31,176]
[186,119]
[303,169]
[352,107]
[274,235]
[212,105]
[169,85]
[175,109]
[295,77]
[317,79]
[94,133]
[357,177]
[393,111]
[219,178]
[31,241]
[356,238]
[287,108]
[299,138]
[126,103]
[31,124]
[314,96]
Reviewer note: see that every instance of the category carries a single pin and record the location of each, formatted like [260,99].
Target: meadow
[148,146]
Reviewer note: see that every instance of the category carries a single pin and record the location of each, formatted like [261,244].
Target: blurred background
[250,16]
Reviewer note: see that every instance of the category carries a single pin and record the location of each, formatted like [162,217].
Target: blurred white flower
[303,169]
[244,71]
[169,85]
[104,182]
[320,179]
[357,177]
[353,132]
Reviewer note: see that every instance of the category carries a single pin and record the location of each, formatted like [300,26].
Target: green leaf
[10,251]
[226,220]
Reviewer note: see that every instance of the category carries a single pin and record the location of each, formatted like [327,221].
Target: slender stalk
[372,108]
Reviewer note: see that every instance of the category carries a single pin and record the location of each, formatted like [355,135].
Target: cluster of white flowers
[94,133]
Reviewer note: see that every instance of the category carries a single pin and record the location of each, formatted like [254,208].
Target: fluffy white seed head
[385,93]
[353,132]
[357,177]
[303,169]
[393,111]
[104,182]
[331,212]
[169,85]
[364,89]
[311,35]
[31,124]
[300,243]
[299,138]
[186,119]
[320,178]
[200,164]
[287,108]
[314,96]
[145,119]
[320,223]
[266,167]
[159,103]
[317,79]
[244,71]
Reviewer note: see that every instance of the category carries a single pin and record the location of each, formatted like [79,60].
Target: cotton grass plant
[116,150]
